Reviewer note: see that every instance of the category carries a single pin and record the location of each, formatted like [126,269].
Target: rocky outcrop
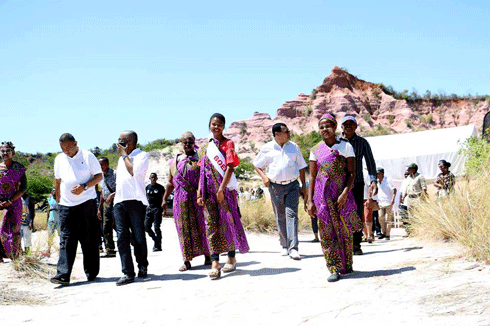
[342,93]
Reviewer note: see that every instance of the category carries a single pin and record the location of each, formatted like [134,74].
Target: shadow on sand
[384,251]
[382,272]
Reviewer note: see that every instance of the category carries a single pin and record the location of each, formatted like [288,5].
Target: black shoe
[59,280]
[91,278]
[155,249]
[358,252]
[125,280]
[108,254]
[333,278]
[143,272]
[387,237]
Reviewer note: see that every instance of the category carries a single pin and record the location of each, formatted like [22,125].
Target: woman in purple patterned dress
[223,226]
[13,184]
[189,217]
[332,173]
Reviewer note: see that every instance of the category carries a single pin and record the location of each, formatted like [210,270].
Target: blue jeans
[130,217]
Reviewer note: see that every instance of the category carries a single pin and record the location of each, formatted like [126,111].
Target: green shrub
[245,168]
[306,142]
[39,185]
[478,153]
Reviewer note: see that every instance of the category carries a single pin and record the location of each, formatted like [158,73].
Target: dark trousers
[154,217]
[107,227]
[314,224]
[79,224]
[215,256]
[129,216]
[376,225]
[358,192]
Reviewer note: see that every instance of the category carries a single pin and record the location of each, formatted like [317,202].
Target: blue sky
[95,68]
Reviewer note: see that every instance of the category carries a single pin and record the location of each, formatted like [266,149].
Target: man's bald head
[131,136]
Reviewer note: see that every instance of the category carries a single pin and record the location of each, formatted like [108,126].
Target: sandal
[214,274]
[185,267]
[229,267]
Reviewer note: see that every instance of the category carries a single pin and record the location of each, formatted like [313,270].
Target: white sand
[396,282]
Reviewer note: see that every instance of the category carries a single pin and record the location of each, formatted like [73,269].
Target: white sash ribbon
[219,163]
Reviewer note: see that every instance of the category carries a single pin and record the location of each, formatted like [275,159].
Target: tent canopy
[425,148]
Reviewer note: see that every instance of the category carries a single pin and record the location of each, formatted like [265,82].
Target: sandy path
[397,282]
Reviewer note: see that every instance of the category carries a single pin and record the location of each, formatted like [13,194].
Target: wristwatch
[124,156]
[85,187]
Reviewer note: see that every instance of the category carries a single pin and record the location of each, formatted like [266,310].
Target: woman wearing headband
[13,184]
[332,173]
[189,217]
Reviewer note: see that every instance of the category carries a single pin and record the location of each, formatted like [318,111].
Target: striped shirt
[362,149]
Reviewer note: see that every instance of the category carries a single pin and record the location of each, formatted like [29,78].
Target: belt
[284,182]
[413,196]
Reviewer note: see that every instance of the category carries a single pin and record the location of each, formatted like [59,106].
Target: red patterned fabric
[227,146]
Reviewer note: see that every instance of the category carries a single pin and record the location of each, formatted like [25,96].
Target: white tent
[425,148]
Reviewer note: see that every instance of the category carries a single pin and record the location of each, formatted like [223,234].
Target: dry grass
[30,265]
[463,217]
[10,296]
[258,216]
[41,221]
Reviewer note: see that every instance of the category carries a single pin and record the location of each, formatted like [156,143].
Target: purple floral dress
[10,227]
[189,217]
[336,227]
[223,225]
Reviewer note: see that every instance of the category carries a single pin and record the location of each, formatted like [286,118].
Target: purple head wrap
[328,117]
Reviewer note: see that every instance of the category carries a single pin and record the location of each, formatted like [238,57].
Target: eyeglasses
[286,132]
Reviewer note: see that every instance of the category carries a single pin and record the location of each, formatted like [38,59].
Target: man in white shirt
[285,164]
[130,206]
[386,199]
[77,171]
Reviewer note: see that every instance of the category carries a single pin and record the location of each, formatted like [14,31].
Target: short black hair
[445,163]
[153,174]
[67,137]
[219,116]
[277,128]
[105,159]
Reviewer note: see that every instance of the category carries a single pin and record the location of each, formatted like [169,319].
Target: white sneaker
[284,252]
[294,254]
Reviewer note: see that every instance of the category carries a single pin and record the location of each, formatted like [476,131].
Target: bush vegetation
[306,142]
[436,98]
[258,216]
[462,217]
[245,168]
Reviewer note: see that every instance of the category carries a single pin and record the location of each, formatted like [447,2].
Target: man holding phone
[130,206]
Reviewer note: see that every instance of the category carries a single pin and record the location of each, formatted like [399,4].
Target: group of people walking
[206,210]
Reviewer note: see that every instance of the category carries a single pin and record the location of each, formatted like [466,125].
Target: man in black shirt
[154,193]
[362,150]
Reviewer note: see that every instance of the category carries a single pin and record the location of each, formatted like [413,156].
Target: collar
[135,152]
[76,155]
[415,175]
[277,144]
[349,140]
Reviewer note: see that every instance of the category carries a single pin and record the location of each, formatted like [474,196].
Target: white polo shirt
[385,191]
[284,162]
[132,187]
[73,171]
